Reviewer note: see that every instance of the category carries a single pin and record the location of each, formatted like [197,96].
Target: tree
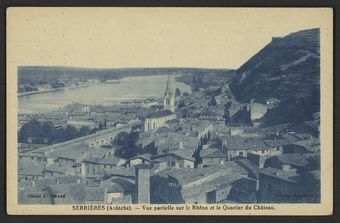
[181,104]
[84,131]
[70,132]
[186,94]
[126,144]
[31,129]
[45,132]
[177,92]
[57,84]
[212,102]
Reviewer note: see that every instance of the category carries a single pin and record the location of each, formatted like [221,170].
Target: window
[240,153]
[262,151]
[173,163]
[278,148]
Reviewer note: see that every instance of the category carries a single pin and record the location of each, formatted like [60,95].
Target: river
[102,93]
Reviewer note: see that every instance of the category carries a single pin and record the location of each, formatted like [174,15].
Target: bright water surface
[104,94]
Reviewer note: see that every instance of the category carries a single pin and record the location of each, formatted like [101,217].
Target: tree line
[44,132]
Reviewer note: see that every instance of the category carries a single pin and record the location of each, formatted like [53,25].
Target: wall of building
[82,123]
[263,152]
[143,185]
[212,161]
[275,190]
[36,159]
[199,198]
[175,162]
[66,161]
[104,138]
[113,195]
[154,123]
[89,168]
[136,161]
[186,164]
[166,190]
[29,177]
[222,193]
[257,111]
[257,159]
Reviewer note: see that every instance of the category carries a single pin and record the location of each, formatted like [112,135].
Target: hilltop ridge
[288,69]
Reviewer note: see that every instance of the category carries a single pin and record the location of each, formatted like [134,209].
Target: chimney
[106,197]
[143,183]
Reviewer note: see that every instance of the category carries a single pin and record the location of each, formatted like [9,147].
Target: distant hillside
[288,69]
[29,74]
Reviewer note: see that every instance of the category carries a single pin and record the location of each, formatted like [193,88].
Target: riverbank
[51,90]
[100,94]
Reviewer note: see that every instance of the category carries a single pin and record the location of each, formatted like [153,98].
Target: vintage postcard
[169,111]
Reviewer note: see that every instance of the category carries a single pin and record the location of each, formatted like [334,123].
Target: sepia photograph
[199,111]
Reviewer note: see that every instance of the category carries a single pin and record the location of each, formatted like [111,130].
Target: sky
[148,37]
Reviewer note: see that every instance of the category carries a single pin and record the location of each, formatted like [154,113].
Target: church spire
[167,87]
[169,97]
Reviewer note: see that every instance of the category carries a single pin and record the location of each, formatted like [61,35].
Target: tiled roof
[145,156]
[69,194]
[103,161]
[57,180]
[250,167]
[29,169]
[95,194]
[56,168]
[119,185]
[284,175]
[159,114]
[212,153]
[23,197]
[241,143]
[122,171]
[74,193]
[310,144]
[293,159]
[180,153]
[127,199]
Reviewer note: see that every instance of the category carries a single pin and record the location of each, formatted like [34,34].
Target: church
[158,118]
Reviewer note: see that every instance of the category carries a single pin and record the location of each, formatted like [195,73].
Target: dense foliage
[45,132]
[126,144]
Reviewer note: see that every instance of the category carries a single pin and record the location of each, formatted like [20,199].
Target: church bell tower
[169,97]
